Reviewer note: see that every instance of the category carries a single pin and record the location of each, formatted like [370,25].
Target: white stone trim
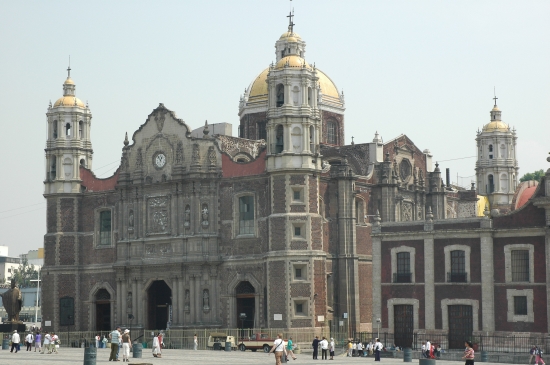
[402,301]
[394,252]
[467,250]
[512,317]
[445,311]
[508,260]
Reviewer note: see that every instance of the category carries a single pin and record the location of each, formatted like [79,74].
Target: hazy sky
[423,68]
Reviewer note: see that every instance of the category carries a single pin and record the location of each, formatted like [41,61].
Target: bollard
[136,350]
[426,362]
[484,356]
[407,355]
[227,346]
[90,354]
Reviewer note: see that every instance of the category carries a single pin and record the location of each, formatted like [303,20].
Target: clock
[160,160]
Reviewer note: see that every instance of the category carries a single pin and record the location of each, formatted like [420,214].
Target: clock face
[160,160]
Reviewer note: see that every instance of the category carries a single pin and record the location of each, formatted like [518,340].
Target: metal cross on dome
[290,23]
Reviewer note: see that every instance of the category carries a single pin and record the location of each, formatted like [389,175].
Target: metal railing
[457,277]
[402,277]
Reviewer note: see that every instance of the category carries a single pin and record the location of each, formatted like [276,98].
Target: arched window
[279,139]
[504,183]
[332,133]
[309,96]
[490,148]
[280,95]
[312,139]
[80,129]
[53,169]
[55,129]
[82,162]
[68,129]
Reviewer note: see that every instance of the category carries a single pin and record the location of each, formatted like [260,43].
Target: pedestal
[13,326]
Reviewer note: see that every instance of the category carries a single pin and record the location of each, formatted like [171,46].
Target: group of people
[120,339]
[536,352]
[431,351]
[280,349]
[326,347]
[48,342]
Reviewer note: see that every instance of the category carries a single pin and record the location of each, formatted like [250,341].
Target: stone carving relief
[451,210]
[158,215]
[149,249]
[139,159]
[187,217]
[204,215]
[196,156]
[233,146]
[165,248]
[129,300]
[131,219]
[406,212]
[325,167]
[187,301]
[420,212]
[405,169]
[205,300]
[159,114]
[211,156]
[179,153]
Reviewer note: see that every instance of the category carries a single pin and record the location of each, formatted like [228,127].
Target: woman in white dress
[156,346]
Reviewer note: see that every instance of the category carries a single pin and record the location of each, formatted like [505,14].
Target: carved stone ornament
[187,217]
[204,215]
[179,153]
[139,159]
[149,249]
[405,169]
[211,156]
[325,167]
[158,217]
[196,157]
[159,114]
[406,212]
[187,302]
[131,218]
[205,300]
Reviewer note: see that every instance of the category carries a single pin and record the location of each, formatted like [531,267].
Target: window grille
[520,265]
[105,228]
[403,274]
[246,214]
[262,133]
[520,306]
[331,133]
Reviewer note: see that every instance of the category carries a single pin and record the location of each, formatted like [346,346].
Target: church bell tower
[68,144]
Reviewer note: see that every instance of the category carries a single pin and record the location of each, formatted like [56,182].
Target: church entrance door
[246,304]
[159,301]
[103,310]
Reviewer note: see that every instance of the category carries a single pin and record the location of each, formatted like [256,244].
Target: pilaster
[487,282]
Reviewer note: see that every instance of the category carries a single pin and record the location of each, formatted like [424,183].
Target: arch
[332,131]
[68,130]
[296,137]
[262,131]
[295,95]
[490,184]
[309,96]
[258,295]
[159,298]
[53,168]
[101,299]
[504,182]
[490,148]
[280,93]
[311,139]
[82,162]
[360,210]
[54,133]
[80,129]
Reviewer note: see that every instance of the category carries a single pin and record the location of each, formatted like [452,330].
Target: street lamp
[242,316]
[37,291]
[378,321]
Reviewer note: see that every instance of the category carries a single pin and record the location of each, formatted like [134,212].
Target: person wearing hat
[126,343]
[15,341]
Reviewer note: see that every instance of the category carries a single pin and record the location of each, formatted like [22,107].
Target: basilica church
[201,229]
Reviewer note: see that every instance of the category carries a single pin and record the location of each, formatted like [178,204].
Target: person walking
[114,343]
[97,340]
[47,340]
[377,348]
[350,349]
[29,341]
[54,343]
[332,347]
[15,341]
[278,349]
[195,342]
[126,343]
[532,354]
[324,348]
[156,346]
[428,348]
[469,354]
[315,345]
[38,342]
[119,343]
[538,354]
[289,348]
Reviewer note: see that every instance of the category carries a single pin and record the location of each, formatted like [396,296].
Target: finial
[290,23]
[429,215]
[87,104]
[377,218]
[69,68]
[473,186]
[486,211]
[352,140]
[205,130]
[126,143]
[548,158]
[495,93]
[50,104]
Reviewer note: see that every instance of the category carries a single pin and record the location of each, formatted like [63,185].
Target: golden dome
[290,35]
[496,126]
[69,81]
[69,101]
[258,89]
[291,61]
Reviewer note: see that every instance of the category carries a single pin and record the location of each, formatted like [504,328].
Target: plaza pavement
[173,357]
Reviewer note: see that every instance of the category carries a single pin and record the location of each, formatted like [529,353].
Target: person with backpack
[538,354]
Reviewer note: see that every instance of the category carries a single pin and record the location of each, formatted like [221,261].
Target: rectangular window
[296,195]
[297,231]
[458,267]
[520,306]
[246,214]
[105,228]
[403,274]
[520,265]
[299,308]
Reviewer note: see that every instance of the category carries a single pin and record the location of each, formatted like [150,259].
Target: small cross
[495,99]
[69,71]
[290,23]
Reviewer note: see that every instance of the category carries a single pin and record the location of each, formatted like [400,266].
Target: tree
[532,176]
[24,274]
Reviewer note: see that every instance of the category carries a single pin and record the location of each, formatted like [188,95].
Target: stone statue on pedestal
[12,301]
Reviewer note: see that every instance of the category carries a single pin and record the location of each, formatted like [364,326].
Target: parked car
[217,340]
[255,342]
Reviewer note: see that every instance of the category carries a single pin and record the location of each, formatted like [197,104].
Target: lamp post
[242,316]
[378,321]
[37,291]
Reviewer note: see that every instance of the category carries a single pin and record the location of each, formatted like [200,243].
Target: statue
[12,301]
[205,300]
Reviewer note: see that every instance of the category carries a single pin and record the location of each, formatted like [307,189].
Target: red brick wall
[364,240]
[92,183]
[66,250]
[418,262]
[231,168]
[277,292]
[279,194]
[51,215]
[320,287]
[440,276]
[539,256]
[316,233]
[539,309]
[456,292]
[365,292]
[313,194]
[527,216]
[403,291]
[49,250]
[67,214]
[278,233]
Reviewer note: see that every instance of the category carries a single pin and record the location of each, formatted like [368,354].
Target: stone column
[118,297]
[123,302]
[181,300]
[429,287]
[198,299]
[487,282]
[192,302]
[140,297]
[376,279]
[175,300]
[135,296]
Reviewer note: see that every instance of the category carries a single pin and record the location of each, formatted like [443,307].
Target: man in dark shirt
[315,346]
